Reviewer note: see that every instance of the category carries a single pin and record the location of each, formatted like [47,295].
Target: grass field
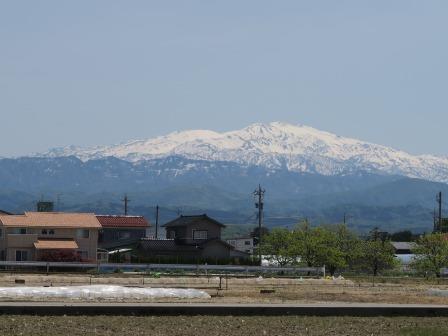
[217,326]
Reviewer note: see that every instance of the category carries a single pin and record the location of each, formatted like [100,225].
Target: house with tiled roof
[49,236]
[191,237]
[119,231]
[191,229]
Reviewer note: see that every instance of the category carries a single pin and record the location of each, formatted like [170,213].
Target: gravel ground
[216,326]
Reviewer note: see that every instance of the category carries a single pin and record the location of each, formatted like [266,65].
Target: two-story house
[191,229]
[192,237]
[49,236]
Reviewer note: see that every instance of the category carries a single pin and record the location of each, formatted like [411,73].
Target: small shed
[403,247]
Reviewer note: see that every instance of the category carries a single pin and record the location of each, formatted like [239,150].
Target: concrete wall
[217,250]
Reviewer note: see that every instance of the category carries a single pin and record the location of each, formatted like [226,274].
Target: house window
[82,233]
[247,242]
[51,232]
[44,231]
[172,235]
[19,230]
[21,255]
[199,234]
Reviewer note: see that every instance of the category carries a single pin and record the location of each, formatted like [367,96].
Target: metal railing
[149,267]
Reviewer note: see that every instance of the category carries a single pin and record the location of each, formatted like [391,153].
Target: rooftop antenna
[126,201]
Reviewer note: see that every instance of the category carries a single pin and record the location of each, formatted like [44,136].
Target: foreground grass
[217,325]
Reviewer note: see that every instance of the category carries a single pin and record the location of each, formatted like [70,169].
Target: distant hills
[222,189]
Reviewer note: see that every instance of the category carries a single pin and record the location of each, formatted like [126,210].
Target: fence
[104,267]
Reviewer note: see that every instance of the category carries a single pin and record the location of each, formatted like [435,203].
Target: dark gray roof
[158,244]
[187,220]
[404,245]
[174,245]
[2,212]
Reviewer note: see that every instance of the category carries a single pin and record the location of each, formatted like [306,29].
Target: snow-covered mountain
[275,146]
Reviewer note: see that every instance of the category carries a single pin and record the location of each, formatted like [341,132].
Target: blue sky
[99,72]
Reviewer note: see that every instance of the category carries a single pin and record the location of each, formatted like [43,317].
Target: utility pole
[126,201]
[259,193]
[434,218]
[157,221]
[439,201]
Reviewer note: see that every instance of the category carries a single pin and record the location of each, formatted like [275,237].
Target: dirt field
[217,326]
[247,290]
[238,290]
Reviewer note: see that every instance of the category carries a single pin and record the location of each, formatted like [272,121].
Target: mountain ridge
[275,145]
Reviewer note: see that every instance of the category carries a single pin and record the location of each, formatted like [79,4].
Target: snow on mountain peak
[274,145]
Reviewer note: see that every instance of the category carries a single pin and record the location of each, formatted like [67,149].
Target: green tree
[277,246]
[431,254]
[305,244]
[318,247]
[348,243]
[377,255]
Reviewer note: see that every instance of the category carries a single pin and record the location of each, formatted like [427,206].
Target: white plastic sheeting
[438,292]
[104,292]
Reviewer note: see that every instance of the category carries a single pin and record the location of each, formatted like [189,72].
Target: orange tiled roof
[108,221]
[55,244]
[51,219]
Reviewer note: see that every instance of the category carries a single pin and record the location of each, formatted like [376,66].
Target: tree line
[340,249]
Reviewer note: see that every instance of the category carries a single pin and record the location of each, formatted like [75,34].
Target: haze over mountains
[306,172]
